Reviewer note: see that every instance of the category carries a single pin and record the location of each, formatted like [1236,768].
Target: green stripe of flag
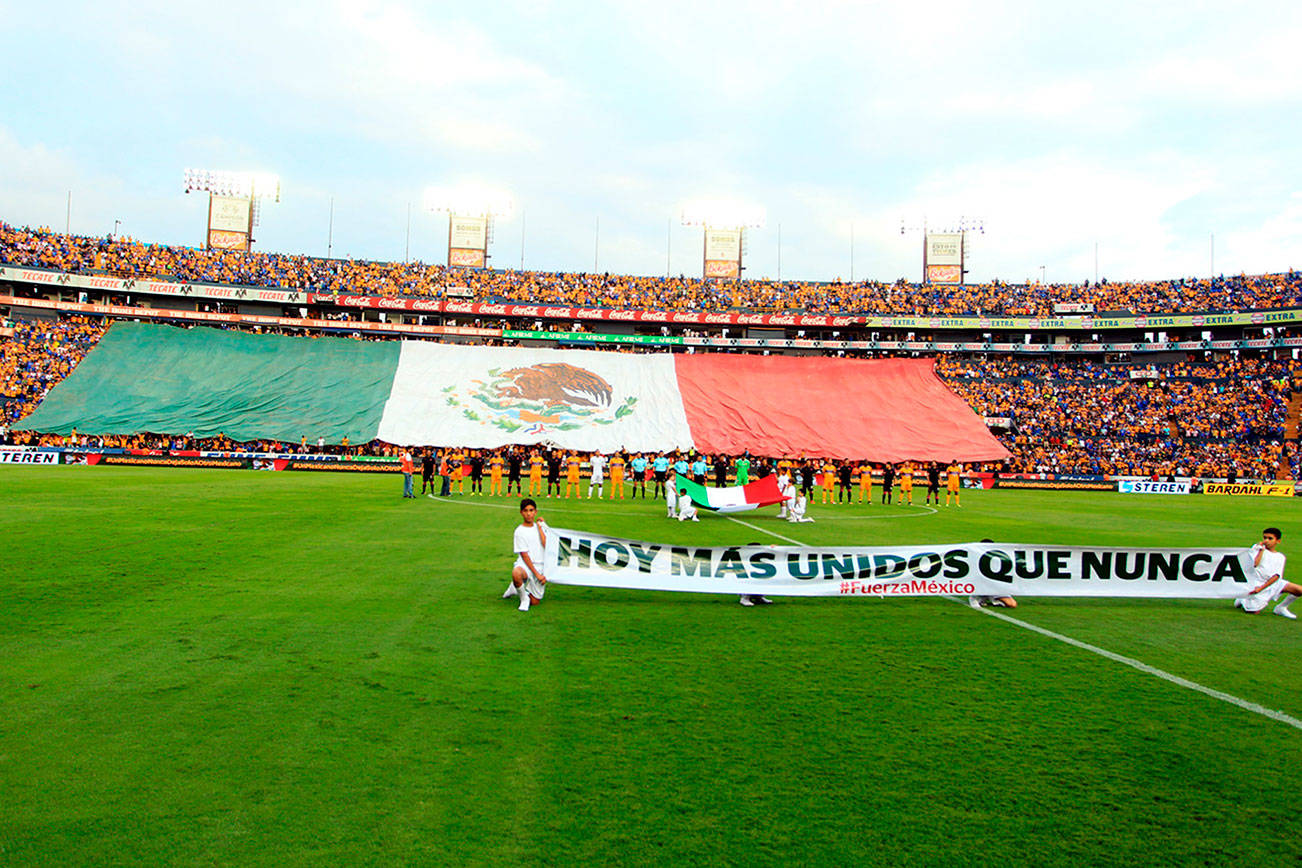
[154,378]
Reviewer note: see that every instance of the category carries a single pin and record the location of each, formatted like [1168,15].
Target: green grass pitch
[212,667]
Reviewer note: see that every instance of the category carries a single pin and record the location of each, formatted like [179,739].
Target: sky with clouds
[1141,130]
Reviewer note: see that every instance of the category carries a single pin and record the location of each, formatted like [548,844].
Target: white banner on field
[994,569]
[485,397]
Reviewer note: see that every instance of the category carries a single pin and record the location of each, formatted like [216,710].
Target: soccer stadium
[365,558]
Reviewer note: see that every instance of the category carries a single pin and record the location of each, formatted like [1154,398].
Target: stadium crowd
[128,257]
[1183,418]
[1068,416]
[37,356]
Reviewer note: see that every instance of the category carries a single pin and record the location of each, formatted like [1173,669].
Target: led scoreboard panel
[228,222]
[722,252]
[943,257]
[467,241]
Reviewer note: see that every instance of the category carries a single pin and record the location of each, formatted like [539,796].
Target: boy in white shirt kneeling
[798,507]
[529,544]
[686,508]
[1268,572]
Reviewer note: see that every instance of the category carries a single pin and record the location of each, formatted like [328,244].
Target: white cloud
[1045,211]
[442,80]
[1051,209]
[1265,70]
[36,181]
[1271,247]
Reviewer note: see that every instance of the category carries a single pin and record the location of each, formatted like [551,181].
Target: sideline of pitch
[1139,665]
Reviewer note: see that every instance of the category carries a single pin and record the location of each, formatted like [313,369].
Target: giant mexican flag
[171,380]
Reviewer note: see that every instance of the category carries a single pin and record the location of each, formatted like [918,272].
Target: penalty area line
[794,542]
[460,502]
[1245,704]
[1139,665]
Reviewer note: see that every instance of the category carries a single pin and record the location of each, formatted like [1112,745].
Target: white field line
[1151,670]
[1245,704]
[794,542]
[475,503]
[557,503]
[922,510]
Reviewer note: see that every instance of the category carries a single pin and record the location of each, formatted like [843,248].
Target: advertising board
[229,213]
[1149,486]
[945,248]
[470,233]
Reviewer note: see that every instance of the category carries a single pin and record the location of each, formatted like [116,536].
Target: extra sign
[1148,486]
[26,456]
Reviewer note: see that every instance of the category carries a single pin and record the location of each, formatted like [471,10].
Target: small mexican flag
[736,498]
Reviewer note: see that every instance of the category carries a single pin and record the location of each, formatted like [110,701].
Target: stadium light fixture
[470,200]
[234,204]
[722,214]
[946,260]
[253,185]
[472,210]
[723,223]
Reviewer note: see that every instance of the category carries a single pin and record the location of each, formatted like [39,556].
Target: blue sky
[1142,128]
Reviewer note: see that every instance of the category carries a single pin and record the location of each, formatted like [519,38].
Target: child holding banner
[1269,567]
[798,506]
[686,507]
[529,544]
[976,602]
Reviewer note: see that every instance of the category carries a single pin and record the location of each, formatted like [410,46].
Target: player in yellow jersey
[866,483]
[952,483]
[536,464]
[829,481]
[572,465]
[906,484]
[617,476]
[457,467]
[495,465]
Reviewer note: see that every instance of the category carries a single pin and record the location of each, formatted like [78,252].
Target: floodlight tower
[945,249]
[724,226]
[471,213]
[234,204]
